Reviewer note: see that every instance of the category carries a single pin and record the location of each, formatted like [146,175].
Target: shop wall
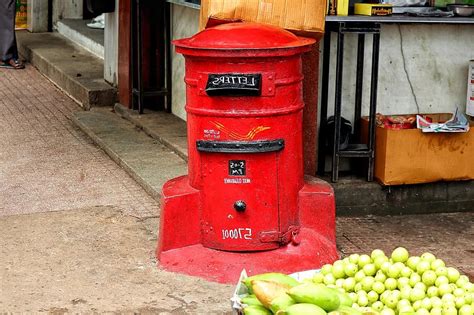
[37,12]
[184,23]
[71,9]
[422,68]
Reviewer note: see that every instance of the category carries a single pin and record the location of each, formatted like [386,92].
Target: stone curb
[120,160]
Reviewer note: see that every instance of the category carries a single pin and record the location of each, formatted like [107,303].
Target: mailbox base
[179,249]
[225,267]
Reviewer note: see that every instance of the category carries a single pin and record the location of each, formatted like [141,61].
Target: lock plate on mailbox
[259,146]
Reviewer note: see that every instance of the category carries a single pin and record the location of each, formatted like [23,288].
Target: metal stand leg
[139,92]
[353,150]
[359,83]
[337,107]
[324,104]
[373,102]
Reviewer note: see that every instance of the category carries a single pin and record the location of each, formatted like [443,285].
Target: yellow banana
[319,295]
[344,298]
[266,291]
[256,310]
[302,309]
[281,302]
[251,300]
[347,310]
[271,276]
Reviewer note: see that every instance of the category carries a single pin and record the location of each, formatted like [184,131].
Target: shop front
[421,66]
[421,62]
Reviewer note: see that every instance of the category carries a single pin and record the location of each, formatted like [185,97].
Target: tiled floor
[448,236]
[46,163]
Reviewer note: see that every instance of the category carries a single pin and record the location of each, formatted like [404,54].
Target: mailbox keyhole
[240,206]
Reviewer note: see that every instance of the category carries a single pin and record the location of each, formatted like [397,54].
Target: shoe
[12,64]
[98,22]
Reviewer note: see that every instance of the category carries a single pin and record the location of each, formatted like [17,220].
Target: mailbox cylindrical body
[244,107]
[245,203]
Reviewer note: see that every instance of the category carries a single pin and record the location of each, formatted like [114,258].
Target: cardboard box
[372,9]
[409,156]
[298,15]
[342,7]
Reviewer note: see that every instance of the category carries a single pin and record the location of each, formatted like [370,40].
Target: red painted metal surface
[248,206]
[242,37]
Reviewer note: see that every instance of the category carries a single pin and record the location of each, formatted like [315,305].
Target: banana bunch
[280,294]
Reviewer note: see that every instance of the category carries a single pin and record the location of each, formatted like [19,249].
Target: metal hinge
[283,238]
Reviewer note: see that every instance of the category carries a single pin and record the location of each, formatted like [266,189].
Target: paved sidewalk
[78,234]
[449,236]
[46,163]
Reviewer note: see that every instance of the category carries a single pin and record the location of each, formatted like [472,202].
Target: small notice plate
[234,84]
[237,168]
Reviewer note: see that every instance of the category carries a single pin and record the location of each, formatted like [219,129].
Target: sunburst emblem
[237,136]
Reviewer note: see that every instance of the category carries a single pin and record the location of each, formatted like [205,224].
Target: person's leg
[8,48]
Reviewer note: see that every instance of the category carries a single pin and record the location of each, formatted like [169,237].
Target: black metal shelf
[361,25]
[399,18]
[139,92]
[354,150]
[189,4]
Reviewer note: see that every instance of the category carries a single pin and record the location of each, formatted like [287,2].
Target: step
[78,32]
[356,196]
[166,128]
[145,159]
[76,71]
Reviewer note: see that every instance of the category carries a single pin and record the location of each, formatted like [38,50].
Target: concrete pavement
[78,234]
[94,260]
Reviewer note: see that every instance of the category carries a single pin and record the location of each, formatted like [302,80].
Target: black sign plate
[234,84]
[237,168]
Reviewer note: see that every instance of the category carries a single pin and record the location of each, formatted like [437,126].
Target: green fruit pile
[366,285]
[400,284]
[276,293]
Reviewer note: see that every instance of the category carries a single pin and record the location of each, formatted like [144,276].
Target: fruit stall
[373,283]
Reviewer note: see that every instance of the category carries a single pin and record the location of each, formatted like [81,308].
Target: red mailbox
[245,202]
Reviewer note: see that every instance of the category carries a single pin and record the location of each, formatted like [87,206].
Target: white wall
[422,68]
[37,11]
[111,46]
[67,9]
[185,23]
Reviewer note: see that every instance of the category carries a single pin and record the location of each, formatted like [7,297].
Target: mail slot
[245,190]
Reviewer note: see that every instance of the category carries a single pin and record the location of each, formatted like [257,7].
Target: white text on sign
[237,234]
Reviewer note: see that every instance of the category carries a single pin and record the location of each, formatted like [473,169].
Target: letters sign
[234,84]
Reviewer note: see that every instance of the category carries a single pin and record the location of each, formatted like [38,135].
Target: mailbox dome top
[243,36]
